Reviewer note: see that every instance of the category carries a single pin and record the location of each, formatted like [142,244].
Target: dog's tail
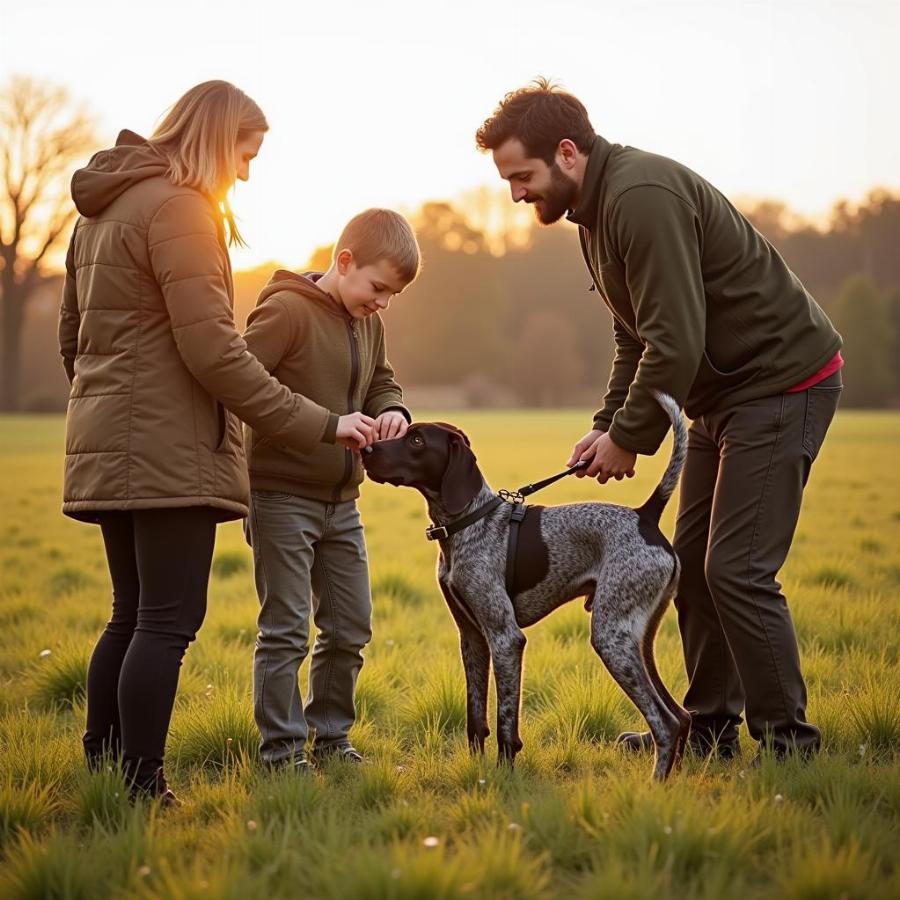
[654,506]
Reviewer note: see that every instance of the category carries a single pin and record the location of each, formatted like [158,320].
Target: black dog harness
[517,516]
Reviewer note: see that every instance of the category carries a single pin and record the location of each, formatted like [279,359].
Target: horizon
[745,203]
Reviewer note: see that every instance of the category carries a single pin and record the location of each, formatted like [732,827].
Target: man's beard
[558,198]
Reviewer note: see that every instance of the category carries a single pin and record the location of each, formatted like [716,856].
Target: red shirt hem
[835,363]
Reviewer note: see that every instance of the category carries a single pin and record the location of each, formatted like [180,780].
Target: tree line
[501,314]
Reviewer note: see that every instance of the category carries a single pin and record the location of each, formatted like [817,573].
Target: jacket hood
[111,172]
[304,285]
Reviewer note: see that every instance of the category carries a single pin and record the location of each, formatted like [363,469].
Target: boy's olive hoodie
[703,306]
[310,343]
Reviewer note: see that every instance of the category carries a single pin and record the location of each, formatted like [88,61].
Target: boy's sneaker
[297,764]
[341,751]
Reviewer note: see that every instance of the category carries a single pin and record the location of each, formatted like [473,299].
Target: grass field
[422,819]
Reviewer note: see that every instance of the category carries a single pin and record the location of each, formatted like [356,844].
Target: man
[706,310]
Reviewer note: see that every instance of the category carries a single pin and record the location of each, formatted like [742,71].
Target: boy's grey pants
[741,491]
[308,556]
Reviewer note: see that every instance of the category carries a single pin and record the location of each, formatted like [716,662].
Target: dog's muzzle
[367,460]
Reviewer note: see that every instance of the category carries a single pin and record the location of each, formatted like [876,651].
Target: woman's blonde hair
[198,135]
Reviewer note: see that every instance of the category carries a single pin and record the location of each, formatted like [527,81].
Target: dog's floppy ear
[462,481]
[455,430]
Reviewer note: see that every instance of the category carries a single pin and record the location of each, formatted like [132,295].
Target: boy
[320,334]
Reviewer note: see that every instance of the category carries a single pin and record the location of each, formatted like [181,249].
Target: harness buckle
[436,533]
[514,497]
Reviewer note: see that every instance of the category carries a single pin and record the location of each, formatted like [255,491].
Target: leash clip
[436,533]
[513,497]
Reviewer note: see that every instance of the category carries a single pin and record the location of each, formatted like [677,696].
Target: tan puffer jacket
[159,373]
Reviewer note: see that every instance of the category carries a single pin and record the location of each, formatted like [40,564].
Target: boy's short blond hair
[377,234]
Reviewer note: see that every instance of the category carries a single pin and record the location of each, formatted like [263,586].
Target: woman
[159,374]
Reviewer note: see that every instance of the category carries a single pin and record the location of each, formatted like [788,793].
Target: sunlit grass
[422,818]
[24,807]
[60,677]
[214,731]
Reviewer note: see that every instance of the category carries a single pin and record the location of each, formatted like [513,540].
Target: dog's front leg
[507,649]
[476,659]
[507,646]
[477,662]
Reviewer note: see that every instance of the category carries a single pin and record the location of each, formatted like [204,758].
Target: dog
[614,556]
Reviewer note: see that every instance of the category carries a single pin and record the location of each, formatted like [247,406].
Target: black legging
[159,560]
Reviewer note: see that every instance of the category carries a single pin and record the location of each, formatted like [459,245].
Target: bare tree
[42,136]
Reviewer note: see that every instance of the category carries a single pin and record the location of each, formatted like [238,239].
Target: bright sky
[377,103]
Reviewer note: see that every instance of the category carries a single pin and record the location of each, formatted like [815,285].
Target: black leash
[519,495]
[517,516]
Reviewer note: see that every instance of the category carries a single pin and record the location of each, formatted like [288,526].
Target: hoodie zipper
[354,377]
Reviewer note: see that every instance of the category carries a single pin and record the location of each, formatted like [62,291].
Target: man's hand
[390,424]
[355,431]
[607,459]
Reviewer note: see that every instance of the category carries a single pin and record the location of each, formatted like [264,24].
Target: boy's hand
[355,431]
[607,459]
[390,424]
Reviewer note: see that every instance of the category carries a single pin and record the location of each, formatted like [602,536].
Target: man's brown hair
[540,116]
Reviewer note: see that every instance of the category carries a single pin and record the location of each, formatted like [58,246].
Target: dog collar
[442,532]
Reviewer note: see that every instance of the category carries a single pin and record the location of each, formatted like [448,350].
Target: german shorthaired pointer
[614,556]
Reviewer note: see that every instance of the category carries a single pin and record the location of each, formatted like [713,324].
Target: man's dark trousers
[740,500]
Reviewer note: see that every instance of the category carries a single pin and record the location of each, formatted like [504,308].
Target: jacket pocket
[222,425]
[229,437]
[710,374]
